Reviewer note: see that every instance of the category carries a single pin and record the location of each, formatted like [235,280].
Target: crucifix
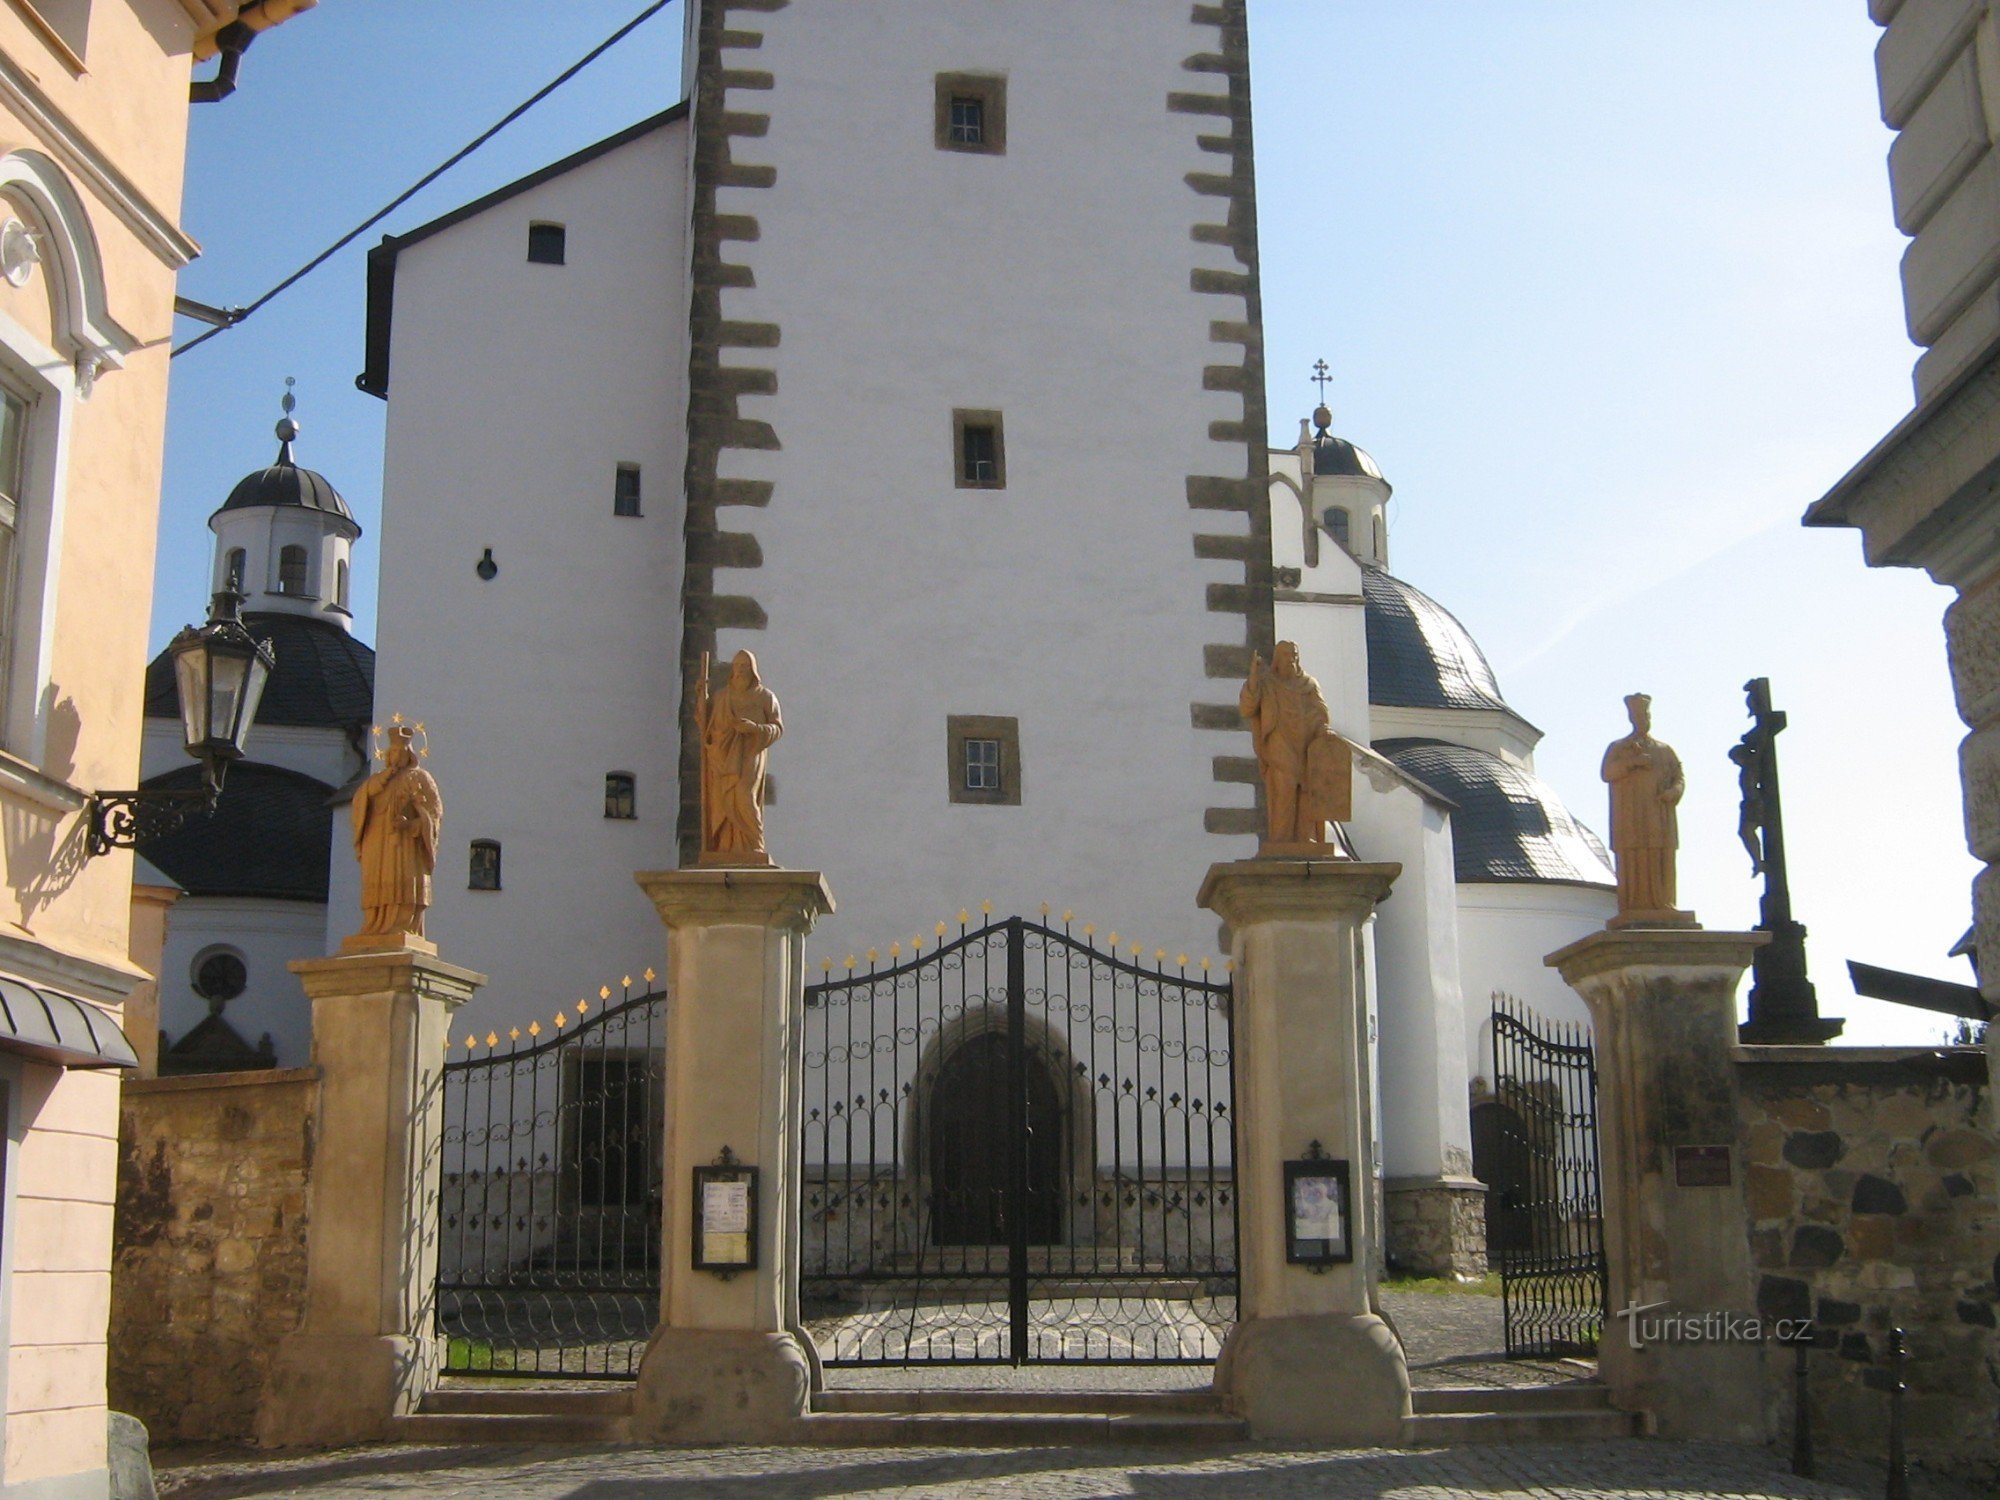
[1784,1009]
[1322,378]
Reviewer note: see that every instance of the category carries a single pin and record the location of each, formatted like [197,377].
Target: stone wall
[1872,1182]
[1435,1227]
[209,1245]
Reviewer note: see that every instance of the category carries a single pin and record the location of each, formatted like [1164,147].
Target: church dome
[324,679]
[1419,656]
[1336,456]
[1508,823]
[270,836]
[284,483]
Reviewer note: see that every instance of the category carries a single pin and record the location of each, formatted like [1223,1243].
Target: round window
[220,976]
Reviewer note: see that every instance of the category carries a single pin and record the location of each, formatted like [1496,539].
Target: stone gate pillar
[1676,1241]
[725,1364]
[1309,1359]
[366,1349]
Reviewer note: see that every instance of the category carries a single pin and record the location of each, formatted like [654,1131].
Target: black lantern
[220,670]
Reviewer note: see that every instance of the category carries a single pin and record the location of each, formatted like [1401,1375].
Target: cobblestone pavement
[1628,1470]
[1450,1338]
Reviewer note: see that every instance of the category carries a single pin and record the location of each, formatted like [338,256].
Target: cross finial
[290,403]
[1322,377]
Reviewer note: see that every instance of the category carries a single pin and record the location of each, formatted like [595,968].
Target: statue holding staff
[738,725]
[1308,770]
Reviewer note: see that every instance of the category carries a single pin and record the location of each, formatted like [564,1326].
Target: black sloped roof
[271,836]
[284,483]
[325,678]
[1508,824]
[1335,455]
[1419,656]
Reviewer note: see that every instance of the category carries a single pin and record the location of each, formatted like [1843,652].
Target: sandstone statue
[1646,786]
[397,813]
[1308,770]
[738,725]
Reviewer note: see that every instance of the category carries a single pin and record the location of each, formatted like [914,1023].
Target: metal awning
[53,1028]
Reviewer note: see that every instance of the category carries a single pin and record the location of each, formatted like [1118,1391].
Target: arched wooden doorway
[970,1128]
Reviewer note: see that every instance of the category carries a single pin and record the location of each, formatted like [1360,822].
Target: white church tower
[977,444]
[285,540]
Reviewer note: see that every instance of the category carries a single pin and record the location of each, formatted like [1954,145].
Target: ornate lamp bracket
[125,820]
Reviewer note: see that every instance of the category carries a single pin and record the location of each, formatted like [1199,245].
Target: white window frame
[87,341]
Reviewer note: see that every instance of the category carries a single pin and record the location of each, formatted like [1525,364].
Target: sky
[1608,288]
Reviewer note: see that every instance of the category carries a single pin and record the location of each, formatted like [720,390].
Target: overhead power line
[236,315]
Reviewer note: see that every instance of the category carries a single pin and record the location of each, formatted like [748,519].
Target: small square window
[621,795]
[546,244]
[979,450]
[972,113]
[968,120]
[485,871]
[982,765]
[985,758]
[625,491]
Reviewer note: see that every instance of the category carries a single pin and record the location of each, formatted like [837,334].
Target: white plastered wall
[1052,284]
[516,391]
[1426,1130]
[267,935]
[1505,931]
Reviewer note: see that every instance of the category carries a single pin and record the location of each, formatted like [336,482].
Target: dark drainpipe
[232,41]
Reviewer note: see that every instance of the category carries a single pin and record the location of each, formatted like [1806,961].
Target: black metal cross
[1322,379]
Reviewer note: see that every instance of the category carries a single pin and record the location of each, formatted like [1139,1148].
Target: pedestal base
[1663,917]
[329,1390]
[1804,1031]
[720,1385]
[388,942]
[1335,1378]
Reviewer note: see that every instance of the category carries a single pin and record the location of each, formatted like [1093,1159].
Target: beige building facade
[93,118]
[1925,495]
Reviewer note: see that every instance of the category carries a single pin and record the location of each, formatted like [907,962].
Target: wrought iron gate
[549,1228]
[1017,1150]
[1544,1217]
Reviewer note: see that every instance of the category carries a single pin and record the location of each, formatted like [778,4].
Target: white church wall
[266,935]
[1505,930]
[517,390]
[1332,639]
[323,754]
[1497,732]
[1426,1130]
[1050,283]
[343,879]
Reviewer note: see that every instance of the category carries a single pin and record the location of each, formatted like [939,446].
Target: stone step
[526,1401]
[1575,1395]
[507,1427]
[1010,1429]
[1449,1429]
[1072,1403]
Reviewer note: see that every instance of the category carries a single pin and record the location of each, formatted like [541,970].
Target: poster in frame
[725,1218]
[1319,1222]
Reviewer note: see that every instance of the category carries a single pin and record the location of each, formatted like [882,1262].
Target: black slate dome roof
[325,678]
[271,836]
[1508,824]
[285,483]
[1335,455]
[1419,656]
